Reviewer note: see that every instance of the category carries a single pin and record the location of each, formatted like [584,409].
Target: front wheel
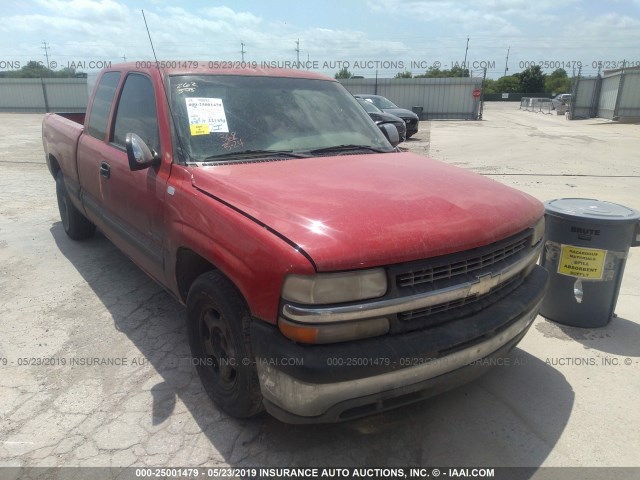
[218,327]
[75,224]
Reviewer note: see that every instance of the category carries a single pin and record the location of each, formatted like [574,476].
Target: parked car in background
[411,120]
[381,117]
[561,99]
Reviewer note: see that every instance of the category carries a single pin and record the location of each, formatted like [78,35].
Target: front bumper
[411,125]
[336,382]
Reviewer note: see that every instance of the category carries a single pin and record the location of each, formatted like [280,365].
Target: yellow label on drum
[581,262]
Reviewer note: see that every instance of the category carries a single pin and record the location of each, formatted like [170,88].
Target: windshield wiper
[346,148]
[254,154]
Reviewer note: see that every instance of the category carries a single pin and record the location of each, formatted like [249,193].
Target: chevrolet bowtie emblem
[484,284]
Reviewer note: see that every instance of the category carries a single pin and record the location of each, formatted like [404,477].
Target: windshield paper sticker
[206,115]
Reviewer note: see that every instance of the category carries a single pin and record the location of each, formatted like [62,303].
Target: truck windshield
[382,102]
[219,115]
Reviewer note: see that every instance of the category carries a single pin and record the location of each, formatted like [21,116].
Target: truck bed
[75,117]
[60,135]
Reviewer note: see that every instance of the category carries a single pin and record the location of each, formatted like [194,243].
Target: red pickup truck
[326,275]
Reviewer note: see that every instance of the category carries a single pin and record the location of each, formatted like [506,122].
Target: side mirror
[140,156]
[391,133]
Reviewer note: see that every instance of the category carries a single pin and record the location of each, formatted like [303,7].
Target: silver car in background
[561,99]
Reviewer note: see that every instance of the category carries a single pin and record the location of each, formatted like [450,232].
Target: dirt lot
[569,396]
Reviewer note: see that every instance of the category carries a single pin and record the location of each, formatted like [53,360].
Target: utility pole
[465,53]
[242,50]
[124,58]
[506,63]
[46,47]
[484,80]
[298,52]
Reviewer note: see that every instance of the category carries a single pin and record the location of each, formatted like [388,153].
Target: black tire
[218,323]
[75,224]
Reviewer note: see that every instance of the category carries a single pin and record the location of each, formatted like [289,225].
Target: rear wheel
[218,326]
[74,223]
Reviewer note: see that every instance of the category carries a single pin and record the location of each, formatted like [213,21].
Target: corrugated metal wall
[440,98]
[629,105]
[37,95]
[584,98]
[608,96]
[615,96]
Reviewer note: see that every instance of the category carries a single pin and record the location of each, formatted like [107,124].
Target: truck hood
[401,112]
[357,211]
[384,117]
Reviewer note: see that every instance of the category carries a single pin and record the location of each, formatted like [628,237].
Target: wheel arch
[53,164]
[189,266]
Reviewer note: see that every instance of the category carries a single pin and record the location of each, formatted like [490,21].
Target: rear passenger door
[134,200]
[92,149]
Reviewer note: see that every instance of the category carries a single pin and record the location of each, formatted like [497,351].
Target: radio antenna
[150,41]
[164,89]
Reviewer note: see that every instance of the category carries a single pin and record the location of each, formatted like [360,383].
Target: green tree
[344,73]
[557,82]
[405,74]
[532,79]
[458,72]
[508,84]
[435,72]
[32,69]
[490,86]
[65,72]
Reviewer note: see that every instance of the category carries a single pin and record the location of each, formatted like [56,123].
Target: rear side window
[99,116]
[136,112]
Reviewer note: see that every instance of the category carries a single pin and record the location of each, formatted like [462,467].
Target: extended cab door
[134,200]
[92,149]
[128,206]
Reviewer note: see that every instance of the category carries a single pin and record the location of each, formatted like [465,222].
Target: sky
[366,36]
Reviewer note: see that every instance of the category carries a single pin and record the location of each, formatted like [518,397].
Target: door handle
[105,170]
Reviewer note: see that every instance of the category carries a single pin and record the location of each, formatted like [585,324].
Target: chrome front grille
[459,304]
[484,259]
[436,290]
[479,277]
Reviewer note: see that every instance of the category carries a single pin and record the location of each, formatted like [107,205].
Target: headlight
[327,288]
[538,232]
